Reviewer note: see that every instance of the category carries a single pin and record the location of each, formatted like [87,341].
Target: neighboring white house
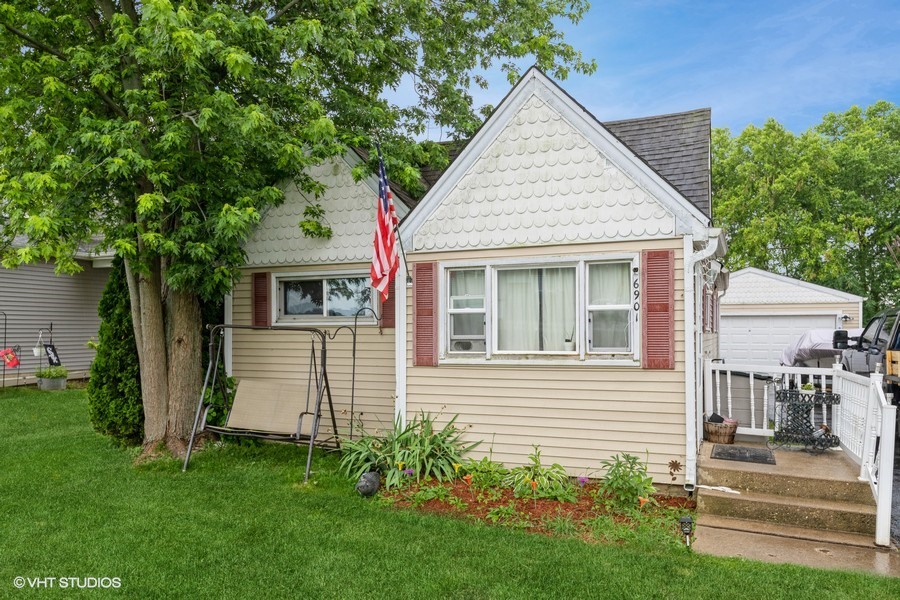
[762,313]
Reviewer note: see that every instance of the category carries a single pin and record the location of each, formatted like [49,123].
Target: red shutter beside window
[425,313]
[259,297]
[658,284]
[388,314]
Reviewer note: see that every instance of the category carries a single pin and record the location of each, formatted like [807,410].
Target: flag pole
[409,279]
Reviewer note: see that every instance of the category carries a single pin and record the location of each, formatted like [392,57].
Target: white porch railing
[864,420]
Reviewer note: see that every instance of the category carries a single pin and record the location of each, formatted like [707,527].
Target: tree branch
[281,12]
[36,44]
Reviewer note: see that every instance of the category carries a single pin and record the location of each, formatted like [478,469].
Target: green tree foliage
[820,206]
[165,128]
[114,390]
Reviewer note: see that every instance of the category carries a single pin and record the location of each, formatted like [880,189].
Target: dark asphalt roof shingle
[676,146]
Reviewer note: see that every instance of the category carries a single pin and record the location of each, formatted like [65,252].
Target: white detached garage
[762,313]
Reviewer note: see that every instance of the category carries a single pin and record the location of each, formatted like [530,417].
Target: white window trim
[634,308]
[366,319]
[580,356]
[449,310]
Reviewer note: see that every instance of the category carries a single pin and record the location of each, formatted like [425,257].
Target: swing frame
[317,373]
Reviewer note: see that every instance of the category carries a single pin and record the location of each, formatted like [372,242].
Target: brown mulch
[478,503]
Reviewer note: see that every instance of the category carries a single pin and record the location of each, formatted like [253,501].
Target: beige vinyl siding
[831,308]
[284,356]
[33,296]
[710,343]
[578,414]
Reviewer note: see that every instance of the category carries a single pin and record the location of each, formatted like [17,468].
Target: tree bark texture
[154,363]
[183,341]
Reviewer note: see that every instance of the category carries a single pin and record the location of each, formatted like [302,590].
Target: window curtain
[467,283]
[517,310]
[558,300]
[535,306]
[609,284]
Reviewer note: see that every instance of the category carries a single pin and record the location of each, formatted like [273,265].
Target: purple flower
[409,472]
[582,480]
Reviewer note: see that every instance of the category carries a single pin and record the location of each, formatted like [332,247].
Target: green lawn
[240,525]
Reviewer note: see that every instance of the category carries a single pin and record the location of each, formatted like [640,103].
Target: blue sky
[747,60]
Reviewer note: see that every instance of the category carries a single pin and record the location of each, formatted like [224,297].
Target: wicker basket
[719,433]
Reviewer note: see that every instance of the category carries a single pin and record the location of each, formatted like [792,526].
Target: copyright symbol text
[19,582]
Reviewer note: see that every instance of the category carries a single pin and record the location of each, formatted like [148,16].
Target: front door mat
[762,456]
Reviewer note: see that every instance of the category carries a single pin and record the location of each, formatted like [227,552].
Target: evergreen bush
[114,391]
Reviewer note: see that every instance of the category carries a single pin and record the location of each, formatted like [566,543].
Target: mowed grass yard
[240,524]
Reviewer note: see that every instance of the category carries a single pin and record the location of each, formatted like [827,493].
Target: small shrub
[52,373]
[485,473]
[416,451]
[625,483]
[537,481]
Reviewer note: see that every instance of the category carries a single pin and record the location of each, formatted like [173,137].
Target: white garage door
[760,339]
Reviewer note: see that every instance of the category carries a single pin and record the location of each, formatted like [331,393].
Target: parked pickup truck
[879,343]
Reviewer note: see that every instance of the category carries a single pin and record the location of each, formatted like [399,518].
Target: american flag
[384,259]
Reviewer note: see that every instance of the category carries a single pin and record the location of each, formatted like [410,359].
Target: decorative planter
[807,394]
[57,383]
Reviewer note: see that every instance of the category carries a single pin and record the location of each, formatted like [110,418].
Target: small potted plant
[569,342]
[807,389]
[52,378]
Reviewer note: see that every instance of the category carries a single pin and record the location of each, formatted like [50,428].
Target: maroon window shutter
[658,283]
[388,314]
[259,293]
[425,313]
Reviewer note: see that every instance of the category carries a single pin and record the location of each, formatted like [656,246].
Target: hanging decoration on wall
[9,358]
[52,356]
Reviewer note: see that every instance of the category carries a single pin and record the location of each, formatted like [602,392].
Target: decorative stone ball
[368,484]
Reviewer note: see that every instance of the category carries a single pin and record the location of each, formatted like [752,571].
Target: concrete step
[843,538]
[715,473]
[809,513]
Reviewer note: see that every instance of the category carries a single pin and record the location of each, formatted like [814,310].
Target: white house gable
[542,182]
[349,211]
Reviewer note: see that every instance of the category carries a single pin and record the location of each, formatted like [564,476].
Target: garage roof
[755,286]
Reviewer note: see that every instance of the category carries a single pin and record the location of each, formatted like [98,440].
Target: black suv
[860,355]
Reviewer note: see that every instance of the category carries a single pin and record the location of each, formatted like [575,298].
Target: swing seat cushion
[270,407]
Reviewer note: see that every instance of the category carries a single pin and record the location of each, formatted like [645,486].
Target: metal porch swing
[282,412]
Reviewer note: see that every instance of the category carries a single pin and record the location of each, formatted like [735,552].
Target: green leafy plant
[808,386]
[538,481]
[626,482]
[412,452]
[52,373]
[312,224]
[488,495]
[505,513]
[486,473]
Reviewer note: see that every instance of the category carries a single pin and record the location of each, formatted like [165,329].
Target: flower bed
[587,518]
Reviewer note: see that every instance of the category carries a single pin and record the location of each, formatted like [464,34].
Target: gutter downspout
[691,345]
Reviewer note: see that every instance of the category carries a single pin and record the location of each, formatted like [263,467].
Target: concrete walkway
[852,554]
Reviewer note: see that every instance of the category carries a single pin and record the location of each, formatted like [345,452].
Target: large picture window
[580,309]
[536,310]
[307,299]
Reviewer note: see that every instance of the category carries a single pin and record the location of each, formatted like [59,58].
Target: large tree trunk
[183,339]
[154,357]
